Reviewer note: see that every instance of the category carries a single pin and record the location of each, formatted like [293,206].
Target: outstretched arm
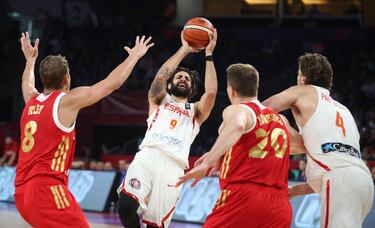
[284,100]
[28,76]
[81,97]
[207,102]
[157,90]
[299,190]
[235,121]
[296,142]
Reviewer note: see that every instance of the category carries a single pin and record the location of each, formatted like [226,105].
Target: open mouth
[182,85]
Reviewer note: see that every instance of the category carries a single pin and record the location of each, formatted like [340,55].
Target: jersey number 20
[258,150]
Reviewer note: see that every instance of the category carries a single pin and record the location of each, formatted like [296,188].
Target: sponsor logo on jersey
[135,183]
[187,106]
[170,140]
[340,147]
[176,109]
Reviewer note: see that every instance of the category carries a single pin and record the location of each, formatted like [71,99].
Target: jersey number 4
[28,140]
[340,123]
[258,150]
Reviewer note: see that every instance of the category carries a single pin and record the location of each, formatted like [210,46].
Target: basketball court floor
[10,218]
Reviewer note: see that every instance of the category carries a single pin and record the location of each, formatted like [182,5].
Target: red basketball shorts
[44,205]
[250,206]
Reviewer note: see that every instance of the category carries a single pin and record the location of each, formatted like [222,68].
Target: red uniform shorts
[250,206]
[45,204]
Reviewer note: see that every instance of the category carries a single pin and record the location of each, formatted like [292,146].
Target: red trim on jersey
[193,122]
[319,162]
[131,195]
[327,204]
[155,117]
[162,221]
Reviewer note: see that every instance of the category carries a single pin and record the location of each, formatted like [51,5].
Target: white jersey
[331,138]
[172,129]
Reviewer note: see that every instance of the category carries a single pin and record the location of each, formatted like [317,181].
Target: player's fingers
[143,39]
[36,43]
[127,49]
[137,40]
[150,45]
[27,35]
[148,40]
[194,183]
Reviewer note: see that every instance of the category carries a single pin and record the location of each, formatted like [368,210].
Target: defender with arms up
[334,167]
[48,136]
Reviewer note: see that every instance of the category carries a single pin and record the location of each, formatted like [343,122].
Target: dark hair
[317,69]
[52,70]
[194,76]
[244,79]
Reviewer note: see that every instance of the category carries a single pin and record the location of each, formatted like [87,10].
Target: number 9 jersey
[47,147]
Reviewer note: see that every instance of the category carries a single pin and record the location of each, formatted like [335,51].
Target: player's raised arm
[81,97]
[157,90]
[28,77]
[235,122]
[206,103]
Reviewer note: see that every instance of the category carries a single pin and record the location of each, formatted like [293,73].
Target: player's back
[261,155]
[331,138]
[47,147]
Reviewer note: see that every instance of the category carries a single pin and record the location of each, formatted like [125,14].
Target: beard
[180,91]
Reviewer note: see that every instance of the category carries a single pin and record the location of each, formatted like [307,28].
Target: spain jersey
[172,129]
[261,155]
[46,146]
[331,138]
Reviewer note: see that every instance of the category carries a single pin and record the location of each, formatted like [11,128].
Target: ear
[169,85]
[66,79]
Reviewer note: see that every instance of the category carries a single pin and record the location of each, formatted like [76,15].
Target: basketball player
[48,136]
[254,171]
[334,167]
[173,124]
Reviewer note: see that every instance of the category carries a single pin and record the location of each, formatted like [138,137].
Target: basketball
[196,32]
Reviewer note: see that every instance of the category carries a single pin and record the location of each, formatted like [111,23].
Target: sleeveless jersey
[331,138]
[261,155]
[47,147]
[172,129]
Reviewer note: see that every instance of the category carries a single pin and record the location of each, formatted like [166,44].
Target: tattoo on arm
[159,83]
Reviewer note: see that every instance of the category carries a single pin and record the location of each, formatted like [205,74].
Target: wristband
[209,58]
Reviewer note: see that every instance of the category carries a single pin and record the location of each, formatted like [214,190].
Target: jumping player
[173,124]
[334,167]
[254,171]
[48,136]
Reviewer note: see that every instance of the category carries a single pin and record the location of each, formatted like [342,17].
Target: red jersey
[46,146]
[261,155]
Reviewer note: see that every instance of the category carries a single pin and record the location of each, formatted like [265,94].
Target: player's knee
[127,209]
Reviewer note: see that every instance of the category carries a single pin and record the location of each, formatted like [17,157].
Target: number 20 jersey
[261,155]
[331,138]
[172,129]
[47,147]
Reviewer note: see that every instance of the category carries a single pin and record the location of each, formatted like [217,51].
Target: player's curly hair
[317,69]
[194,80]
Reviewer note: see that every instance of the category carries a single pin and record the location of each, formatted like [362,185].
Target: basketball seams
[198,27]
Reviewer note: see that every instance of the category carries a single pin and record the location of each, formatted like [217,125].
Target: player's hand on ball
[212,44]
[141,46]
[187,47]
[30,52]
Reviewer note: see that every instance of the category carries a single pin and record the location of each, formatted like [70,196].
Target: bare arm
[28,76]
[296,142]
[157,90]
[207,101]
[81,97]
[299,189]
[284,100]
[235,121]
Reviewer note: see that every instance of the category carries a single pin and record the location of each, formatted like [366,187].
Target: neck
[239,100]
[48,91]
[179,99]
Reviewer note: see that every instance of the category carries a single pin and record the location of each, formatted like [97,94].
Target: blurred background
[269,34]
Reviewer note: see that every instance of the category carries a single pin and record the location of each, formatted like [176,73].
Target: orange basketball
[196,32]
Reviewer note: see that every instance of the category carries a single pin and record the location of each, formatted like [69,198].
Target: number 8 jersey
[47,147]
[331,138]
[172,129]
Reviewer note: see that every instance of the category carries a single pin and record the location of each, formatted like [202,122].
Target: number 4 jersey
[47,147]
[331,138]
[172,129]
[261,155]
